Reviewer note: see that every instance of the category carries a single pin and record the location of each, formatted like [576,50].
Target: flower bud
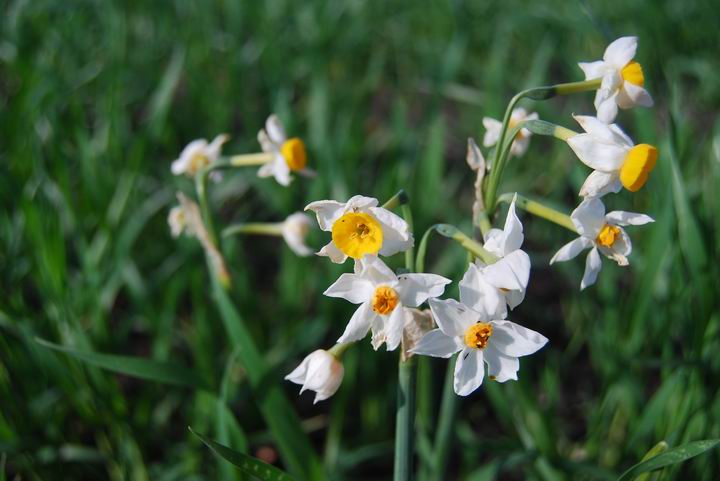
[294,230]
[321,372]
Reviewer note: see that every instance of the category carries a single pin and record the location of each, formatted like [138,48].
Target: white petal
[281,171]
[631,95]
[607,109]
[620,217]
[571,249]
[359,324]
[492,131]
[494,242]
[480,295]
[452,317]
[335,254]
[414,289]
[435,343]
[513,231]
[361,202]
[327,212]
[589,217]
[597,154]
[501,368]
[520,145]
[593,70]
[298,374]
[213,150]
[394,327]
[469,371]
[515,340]
[599,183]
[375,270]
[502,274]
[179,166]
[475,157]
[599,130]
[275,130]
[351,287]
[266,170]
[593,264]
[621,51]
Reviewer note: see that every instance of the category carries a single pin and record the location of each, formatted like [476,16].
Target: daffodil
[294,230]
[479,338]
[601,233]
[288,155]
[360,227]
[522,139]
[382,297]
[197,155]
[491,287]
[321,372]
[617,161]
[622,79]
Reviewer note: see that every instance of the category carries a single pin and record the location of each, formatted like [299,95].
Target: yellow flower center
[357,234]
[607,235]
[632,72]
[293,151]
[637,166]
[384,300]
[477,335]
[197,162]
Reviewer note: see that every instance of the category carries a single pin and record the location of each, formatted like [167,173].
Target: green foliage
[97,99]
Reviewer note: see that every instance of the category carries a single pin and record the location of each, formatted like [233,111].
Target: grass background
[97,98]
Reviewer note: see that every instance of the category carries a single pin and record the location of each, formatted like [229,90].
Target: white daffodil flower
[617,161]
[622,79]
[294,230]
[522,139]
[383,297]
[491,288]
[602,233]
[321,372]
[289,155]
[480,339]
[360,227]
[197,155]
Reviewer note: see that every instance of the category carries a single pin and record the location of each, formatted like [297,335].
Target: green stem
[446,422]
[201,183]
[540,210]
[256,228]
[536,93]
[248,160]
[405,417]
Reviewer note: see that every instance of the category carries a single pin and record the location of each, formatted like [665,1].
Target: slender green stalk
[405,420]
[256,228]
[201,183]
[536,93]
[541,127]
[248,160]
[446,422]
[540,210]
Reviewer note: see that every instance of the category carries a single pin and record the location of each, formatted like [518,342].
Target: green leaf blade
[669,457]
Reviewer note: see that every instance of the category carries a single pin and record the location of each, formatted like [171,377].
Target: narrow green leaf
[163,372]
[247,464]
[671,456]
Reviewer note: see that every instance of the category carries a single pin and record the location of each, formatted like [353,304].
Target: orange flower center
[478,335]
[384,300]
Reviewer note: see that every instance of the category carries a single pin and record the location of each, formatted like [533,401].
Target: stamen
[607,236]
[478,335]
[384,300]
[357,234]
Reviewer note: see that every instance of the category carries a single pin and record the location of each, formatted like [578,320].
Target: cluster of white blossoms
[386,300]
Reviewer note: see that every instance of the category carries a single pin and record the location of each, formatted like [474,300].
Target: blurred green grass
[97,98]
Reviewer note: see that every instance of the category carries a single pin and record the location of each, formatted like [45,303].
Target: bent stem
[539,210]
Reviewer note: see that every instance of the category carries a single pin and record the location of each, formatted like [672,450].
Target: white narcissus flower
[622,79]
[602,233]
[289,155]
[490,288]
[480,339]
[617,161]
[294,230]
[383,297]
[321,372]
[360,227]
[197,155]
[522,139]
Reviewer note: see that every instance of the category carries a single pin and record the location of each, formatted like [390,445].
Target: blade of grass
[669,457]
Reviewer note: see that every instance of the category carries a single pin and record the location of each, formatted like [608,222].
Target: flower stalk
[249,160]
[538,209]
[256,228]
